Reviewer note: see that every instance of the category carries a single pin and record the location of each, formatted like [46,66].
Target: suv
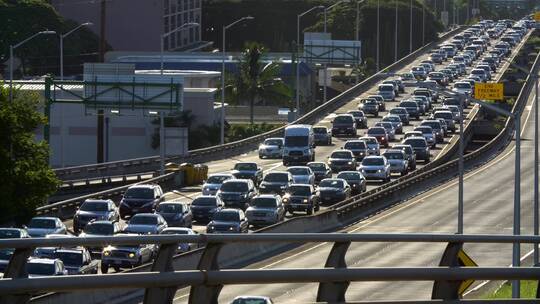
[228,221]
[77,260]
[409,154]
[369,106]
[344,124]
[341,160]
[387,91]
[360,117]
[203,207]
[266,209]
[126,256]
[448,116]
[176,213]
[357,147]
[140,199]
[420,147]
[322,135]
[244,170]
[93,209]
[411,107]
[237,193]
[275,182]
[380,134]
[301,198]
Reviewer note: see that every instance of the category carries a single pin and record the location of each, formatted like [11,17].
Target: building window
[185,17]
[173,42]
[166,43]
[191,16]
[191,4]
[185,5]
[197,3]
[179,19]
[191,35]
[179,5]
[173,23]
[166,25]
[166,6]
[179,38]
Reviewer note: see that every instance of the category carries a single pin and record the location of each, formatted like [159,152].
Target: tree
[26,180]
[257,82]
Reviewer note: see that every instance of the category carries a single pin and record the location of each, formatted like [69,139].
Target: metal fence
[162,282]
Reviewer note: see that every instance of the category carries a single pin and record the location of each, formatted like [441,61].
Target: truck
[299,145]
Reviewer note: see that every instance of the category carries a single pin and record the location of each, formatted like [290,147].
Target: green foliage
[527,291]
[23,18]
[241,131]
[26,180]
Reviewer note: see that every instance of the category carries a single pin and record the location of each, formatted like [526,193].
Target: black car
[322,135]
[140,199]
[203,207]
[248,171]
[412,108]
[301,197]
[355,179]
[334,190]
[321,170]
[228,221]
[437,128]
[360,118]
[420,147]
[276,182]
[344,124]
[237,193]
[341,160]
[100,228]
[176,213]
[77,260]
[93,209]
[357,147]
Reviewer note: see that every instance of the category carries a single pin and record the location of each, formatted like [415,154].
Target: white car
[387,91]
[45,267]
[271,148]
[213,183]
[462,87]
[302,175]
[42,226]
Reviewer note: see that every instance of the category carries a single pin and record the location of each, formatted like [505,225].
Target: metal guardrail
[223,151]
[162,282]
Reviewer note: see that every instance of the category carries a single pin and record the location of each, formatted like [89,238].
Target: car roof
[41,261]
[267,196]
[92,200]
[70,250]
[100,222]
[223,174]
[173,202]
[178,229]
[143,186]
[229,210]
[45,218]
[145,215]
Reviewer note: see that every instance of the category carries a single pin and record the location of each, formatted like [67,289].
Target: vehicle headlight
[232,228]
[354,185]
[305,200]
[210,228]
[106,253]
[282,187]
[131,255]
[285,200]
[349,163]
[380,171]
[306,151]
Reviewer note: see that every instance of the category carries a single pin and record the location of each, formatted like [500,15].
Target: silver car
[44,225]
[396,122]
[213,183]
[389,127]
[271,148]
[387,91]
[375,167]
[398,161]
[146,223]
[302,175]
[428,134]
[265,209]
[372,144]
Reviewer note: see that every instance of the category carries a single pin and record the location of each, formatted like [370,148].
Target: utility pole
[102,49]
[378,33]
[396,35]
[410,30]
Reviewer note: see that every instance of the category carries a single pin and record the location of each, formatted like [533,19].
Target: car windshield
[424,130]
[276,177]
[341,154]
[143,220]
[95,206]
[245,167]
[273,142]
[234,187]
[376,131]
[343,119]
[392,118]
[299,171]
[100,229]
[418,69]
[397,111]
[355,145]
[386,88]
[369,141]
[5,254]
[249,301]
[70,258]
[40,268]
[377,161]
[357,113]
[174,232]
[320,130]
[143,193]
[217,179]
[331,183]
[462,85]
[349,175]
[300,190]
[42,223]
[226,217]
[478,72]
[433,124]
[204,201]
[393,155]
[296,141]
[317,166]
[406,149]
[9,234]
[445,115]
[436,75]
[169,208]
[416,142]
[408,104]
[264,202]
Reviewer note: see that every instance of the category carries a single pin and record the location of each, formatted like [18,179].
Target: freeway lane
[488,209]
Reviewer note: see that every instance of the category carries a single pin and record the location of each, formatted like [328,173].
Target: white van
[299,147]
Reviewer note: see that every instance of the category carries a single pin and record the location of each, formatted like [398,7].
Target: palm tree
[256,82]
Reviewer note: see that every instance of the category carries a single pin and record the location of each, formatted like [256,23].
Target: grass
[528,291]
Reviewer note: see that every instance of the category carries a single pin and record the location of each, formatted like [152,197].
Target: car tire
[309,210]
[104,269]
[317,208]
[116,269]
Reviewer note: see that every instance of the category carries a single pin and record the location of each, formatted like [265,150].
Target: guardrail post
[17,269]
[332,292]
[162,263]
[209,261]
[448,290]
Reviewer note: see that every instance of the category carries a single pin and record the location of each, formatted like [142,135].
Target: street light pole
[535,212]
[396,34]
[62,46]
[423,23]
[460,169]
[517,206]
[325,30]
[410,30]
[163,36]
[378,33]
[222,141]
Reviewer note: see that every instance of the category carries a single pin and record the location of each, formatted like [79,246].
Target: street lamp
[223,76]
[297,57]
[62,46]
[163,36]
[410,29]
[13,47]
[396,35]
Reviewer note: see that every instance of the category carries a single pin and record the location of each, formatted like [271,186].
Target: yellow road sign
[465,261]
[537,16]
[488,91]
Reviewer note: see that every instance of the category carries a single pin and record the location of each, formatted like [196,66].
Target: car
[375,168]
[387,91]
[396,122]
[462,87]
[265,209]
[13,233]
[355,179]
[437,128]
[228,221]
[486,69]
[334,190]
[213,183]
[402,113]
[380,101]
[301,197]
[397,160]
[142,198]
[422,102]
[419,72]
[98,228]
[373,145]
[323,135]
[436,58]
[380,134]
[412,134]
[321,170]
[275,182]
[5,257]
[38,267]
[77,260]
[302,175]
[481,73]
[448,116]
[369,106]
[412,108]
[94,209]
[41,226]
[394,84]
[360,117]
[449,74]
[428,67]
[182,247]
[344,124]
[448,101]
[431,96]
[389,127]
[420,147]
[203,207]
[48,252]
[237,193]
[428,133]
[126,256]
[357,147]
[146,223]
[407,77]
[409,154]
[251,300]
[176,213]
[248,170]
[456,111]
[340,160]
[400,84]
[439,77]
[271,148]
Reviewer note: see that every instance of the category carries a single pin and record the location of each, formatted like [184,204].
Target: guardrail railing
[163,281]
